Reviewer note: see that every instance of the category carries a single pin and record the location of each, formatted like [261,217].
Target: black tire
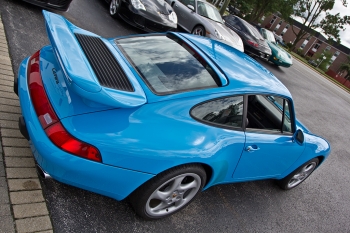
[114,8]
[198,30]
[166,193]
[298,175]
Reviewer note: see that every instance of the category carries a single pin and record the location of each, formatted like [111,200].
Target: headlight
[173,17]
[138,5]
[218,35]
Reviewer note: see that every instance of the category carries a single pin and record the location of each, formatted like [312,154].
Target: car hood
[229,37]
[158,10]
[280,53]
[156,6]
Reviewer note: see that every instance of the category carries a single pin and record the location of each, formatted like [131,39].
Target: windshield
[167,64]
[268,35]
[208,11]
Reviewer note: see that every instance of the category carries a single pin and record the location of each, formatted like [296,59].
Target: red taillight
[49,120]
[252,43]
[62,139]
[42,106]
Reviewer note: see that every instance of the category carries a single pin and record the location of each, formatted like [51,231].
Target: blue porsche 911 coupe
[158,118]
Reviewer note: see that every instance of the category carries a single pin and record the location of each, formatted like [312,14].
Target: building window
[304,43]
[328,48]
[335,55]
[273,20]
[285,29]
[278,25]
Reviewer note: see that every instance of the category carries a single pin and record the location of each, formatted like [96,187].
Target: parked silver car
[201,18]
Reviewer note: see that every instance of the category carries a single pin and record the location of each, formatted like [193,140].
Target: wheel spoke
[309,167]
[176,183]
[193,184]
[160,195]
[179,202]
[161,206]
[296,177]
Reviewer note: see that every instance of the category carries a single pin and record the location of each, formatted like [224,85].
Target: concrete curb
[22,205]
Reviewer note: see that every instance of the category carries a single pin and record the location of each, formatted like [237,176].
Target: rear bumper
[96,177]
[23,128]
[255,52]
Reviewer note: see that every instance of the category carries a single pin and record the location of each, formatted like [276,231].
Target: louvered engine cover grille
[107,69]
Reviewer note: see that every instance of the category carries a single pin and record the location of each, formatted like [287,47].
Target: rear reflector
[49,120]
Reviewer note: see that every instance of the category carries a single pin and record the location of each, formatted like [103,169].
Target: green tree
[315,14]
[323,59]
[255,9]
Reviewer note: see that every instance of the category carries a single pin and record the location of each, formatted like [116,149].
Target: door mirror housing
[299,137]
[191,7]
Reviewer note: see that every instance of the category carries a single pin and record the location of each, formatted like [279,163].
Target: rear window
[253,31]
[167,64]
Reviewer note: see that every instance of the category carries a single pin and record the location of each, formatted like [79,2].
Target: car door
[185,16]
[224,117]
[269,149]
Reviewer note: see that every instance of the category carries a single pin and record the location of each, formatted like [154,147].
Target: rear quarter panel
[155,137]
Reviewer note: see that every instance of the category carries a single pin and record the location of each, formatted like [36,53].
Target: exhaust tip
[42,173]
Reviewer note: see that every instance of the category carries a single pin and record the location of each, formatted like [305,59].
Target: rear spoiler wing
[78,71]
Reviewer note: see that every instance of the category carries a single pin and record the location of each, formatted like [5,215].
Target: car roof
[244,74]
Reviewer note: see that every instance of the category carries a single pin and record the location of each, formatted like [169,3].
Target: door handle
[252,148]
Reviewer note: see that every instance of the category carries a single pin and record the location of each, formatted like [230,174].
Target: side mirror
[299,137]
[191,7]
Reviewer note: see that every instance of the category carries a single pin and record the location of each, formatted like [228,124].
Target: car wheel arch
[207,168]
[321,159]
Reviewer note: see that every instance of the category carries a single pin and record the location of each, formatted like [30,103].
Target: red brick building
[314,43]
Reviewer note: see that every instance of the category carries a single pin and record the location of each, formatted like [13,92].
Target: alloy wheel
[303,173]
[173,194]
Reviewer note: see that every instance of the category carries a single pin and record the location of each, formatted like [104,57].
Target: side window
[225,111]
[187,2]
[269,113]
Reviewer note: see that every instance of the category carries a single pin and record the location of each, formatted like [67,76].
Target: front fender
[315,146]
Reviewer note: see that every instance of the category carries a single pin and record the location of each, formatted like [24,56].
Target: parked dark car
[61,5]
[254,43]
[148,15]
[313,62]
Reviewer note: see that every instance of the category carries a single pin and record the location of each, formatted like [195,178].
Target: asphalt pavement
[320,204]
